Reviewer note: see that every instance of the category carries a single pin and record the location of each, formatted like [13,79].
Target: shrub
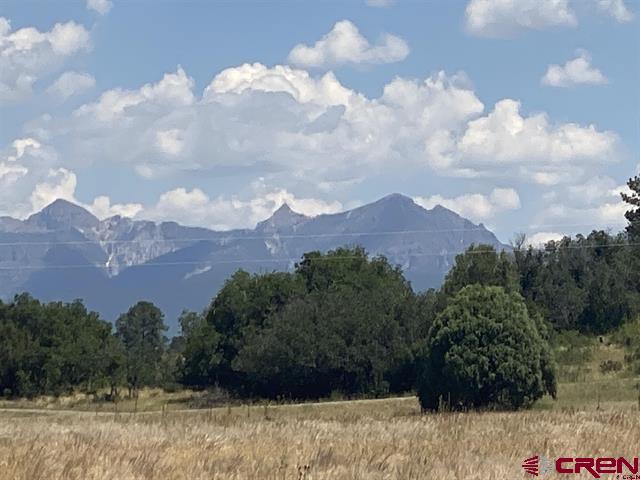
[485,350]
[610,366]
[629,336]
[572,347]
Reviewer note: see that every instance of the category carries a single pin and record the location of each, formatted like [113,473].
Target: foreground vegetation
[372,439]
[79,437]
[76,438]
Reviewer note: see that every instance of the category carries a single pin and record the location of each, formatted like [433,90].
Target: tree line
[343,322]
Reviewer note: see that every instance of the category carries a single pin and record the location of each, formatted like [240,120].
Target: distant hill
[64,252]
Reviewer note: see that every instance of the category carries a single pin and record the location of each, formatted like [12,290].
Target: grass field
[367,439]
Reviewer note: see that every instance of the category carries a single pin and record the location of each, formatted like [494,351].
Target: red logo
[540,465]
[537,465]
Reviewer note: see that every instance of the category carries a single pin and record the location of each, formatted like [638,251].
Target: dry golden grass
[375,439]
[71,438]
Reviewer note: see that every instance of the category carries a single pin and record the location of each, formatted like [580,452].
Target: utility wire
[220,236]
[205,264]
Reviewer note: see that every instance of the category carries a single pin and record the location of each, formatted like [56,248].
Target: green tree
[484,350]
[242,306]
[50,348]
[115,366]
[352,330]
[629,336]
[482,265]
[202,354]
[633,215]
[141,332]
[583,283]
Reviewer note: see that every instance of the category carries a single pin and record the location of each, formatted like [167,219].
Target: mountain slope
[64,252]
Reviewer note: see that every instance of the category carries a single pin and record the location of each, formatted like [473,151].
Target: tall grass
[73,438]
[384,439]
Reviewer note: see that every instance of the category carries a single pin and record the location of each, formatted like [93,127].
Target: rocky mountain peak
[397,198]
[63,215]
[283,218]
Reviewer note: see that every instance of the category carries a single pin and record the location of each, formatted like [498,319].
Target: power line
[220,236]
[205,264]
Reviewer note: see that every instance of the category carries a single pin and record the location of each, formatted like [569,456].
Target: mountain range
[64,252]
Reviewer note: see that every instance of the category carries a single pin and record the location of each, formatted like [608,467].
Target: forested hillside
[345,323]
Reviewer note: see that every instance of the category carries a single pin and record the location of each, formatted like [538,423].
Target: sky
[523,115]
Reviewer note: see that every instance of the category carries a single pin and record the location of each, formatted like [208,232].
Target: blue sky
[521,114]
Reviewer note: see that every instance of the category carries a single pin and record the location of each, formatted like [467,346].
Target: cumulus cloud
[102,208]
[539,239]
[194,207]
[476,206]
[574,72]
[531,146]
[170,141]
[344,44]
[71,83]
[299,84]
[21,146]
[609,214]
[500,18]
[505,17]
[27,54]
[284,123]
[100,6]
[60,183]
[31,178]
[174,90]
[594,203]
[23,164]
[10,173]
[616,9]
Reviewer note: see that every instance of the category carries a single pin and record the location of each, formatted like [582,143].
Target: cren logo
[537,465]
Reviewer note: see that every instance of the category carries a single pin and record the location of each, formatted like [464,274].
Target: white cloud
[27,54]
[616,9]
[476,206]
[71,83]
[539,239]
[174,90]
[506,17]
[574,72]
[23,164]
[591,191]
[325,91]
[609,214]
[344,44]
[100,6]
[292,127]
[194,207]
[10,173]
[31,178]
[60,183]
[22,145]
[103,208]
[500,18]
[530,147]
[268,119]
[593,203]
[170,141]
